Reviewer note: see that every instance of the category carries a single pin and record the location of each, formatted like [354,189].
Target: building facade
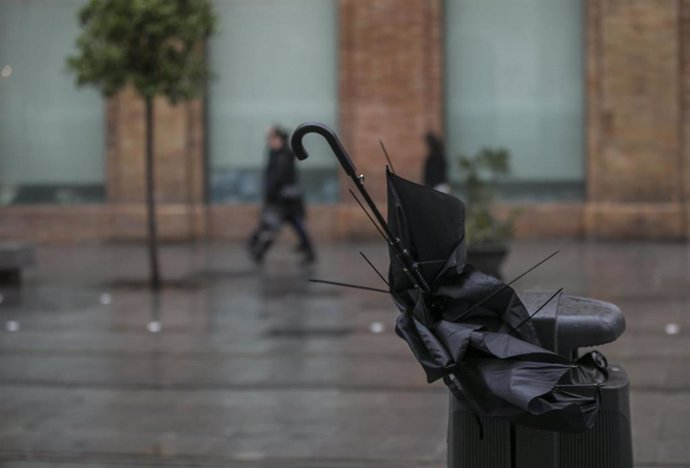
[590,97]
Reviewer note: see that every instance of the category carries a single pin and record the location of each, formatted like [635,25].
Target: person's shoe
[308,258]
[255,255]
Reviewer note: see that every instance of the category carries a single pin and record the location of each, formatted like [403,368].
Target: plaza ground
[233,365]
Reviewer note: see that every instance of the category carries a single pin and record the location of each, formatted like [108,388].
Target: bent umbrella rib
[348,285]
[507,285]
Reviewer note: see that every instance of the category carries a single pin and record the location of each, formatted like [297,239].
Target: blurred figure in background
[283,201]
[435,165]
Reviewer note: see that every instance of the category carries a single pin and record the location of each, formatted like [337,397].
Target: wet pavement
[237,366]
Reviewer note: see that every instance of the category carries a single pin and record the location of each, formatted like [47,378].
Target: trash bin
[439,297]
[564,326]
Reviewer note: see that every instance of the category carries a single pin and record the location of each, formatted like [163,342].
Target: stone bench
[14,257]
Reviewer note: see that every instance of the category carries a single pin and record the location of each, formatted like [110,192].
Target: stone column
[179,166]
[390,83]
[684,160]
[636,155]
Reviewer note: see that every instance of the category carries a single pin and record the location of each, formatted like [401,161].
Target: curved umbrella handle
[409,266]
[332,139]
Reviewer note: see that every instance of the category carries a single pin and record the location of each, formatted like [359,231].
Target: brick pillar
[635,139]
[684,50]
[179,165]
[390,83]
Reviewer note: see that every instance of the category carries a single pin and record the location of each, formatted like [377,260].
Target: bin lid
[579,321]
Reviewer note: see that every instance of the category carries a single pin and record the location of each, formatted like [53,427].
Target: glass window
[274,63]
[515,78]
[51,133]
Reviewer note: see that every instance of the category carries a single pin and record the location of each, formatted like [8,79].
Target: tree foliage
[154,45]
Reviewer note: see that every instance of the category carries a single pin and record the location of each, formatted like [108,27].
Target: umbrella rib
[390,163]
[428,262]
[388,241]
[598,385]
[348,285]
[507,285]
[378,228]
[536,311]
[374,268]
[412,271]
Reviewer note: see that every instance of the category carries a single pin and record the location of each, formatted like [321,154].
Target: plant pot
[487,258]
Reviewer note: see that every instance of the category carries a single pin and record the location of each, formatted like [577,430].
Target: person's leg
[254,237]
[297,223]
[265,234]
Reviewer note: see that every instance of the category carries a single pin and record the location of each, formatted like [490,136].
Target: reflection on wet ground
[232,365]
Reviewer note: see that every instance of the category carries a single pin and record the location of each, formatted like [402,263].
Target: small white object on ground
[250,456]
[376,327]
[12,326]
[106,299]
[154,326]
[672,328]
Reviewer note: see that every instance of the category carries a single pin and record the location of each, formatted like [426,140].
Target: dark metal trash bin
[565,326]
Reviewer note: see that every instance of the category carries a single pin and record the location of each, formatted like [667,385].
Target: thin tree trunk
[154,274]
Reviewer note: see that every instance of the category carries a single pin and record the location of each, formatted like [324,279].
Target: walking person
[282,201]
[435,168]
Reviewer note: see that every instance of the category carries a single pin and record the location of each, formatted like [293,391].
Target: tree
[155,47]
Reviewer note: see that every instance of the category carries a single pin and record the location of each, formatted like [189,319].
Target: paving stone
[258,368]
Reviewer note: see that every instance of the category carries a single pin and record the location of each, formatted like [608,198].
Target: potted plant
[487,236]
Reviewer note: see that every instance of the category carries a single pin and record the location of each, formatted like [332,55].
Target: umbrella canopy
[490,353]
[463,326]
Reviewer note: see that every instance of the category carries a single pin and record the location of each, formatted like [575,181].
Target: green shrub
[479,175]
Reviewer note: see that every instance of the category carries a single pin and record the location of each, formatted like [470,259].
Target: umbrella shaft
[409,266]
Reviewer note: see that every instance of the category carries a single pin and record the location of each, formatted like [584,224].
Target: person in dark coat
[435,165]
[282,202]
